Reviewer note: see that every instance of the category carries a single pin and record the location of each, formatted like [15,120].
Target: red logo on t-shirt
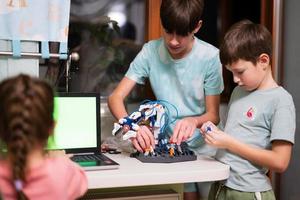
[250,113]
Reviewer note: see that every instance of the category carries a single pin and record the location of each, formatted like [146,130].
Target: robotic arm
[150,114]
[153,114]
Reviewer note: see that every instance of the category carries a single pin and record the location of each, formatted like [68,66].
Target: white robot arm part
[153,112]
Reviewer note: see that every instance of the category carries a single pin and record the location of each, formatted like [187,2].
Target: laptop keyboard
[90,158]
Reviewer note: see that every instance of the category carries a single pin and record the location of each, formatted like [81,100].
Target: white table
[132,173]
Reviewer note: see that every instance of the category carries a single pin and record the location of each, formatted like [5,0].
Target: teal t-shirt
[256,118]
[183,82]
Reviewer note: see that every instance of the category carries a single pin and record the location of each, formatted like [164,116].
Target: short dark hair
[181,16]
[245,40]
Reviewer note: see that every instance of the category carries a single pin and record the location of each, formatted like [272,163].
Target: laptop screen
[77,117]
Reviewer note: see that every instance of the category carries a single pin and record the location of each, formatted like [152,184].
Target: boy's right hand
[144,139]
[207,127]
[214,136]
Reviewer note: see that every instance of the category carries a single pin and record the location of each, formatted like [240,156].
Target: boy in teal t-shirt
[260,128]
[183,70]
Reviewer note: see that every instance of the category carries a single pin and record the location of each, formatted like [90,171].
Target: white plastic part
[129,134]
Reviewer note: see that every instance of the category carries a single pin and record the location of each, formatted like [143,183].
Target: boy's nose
[174,41]
[236,79]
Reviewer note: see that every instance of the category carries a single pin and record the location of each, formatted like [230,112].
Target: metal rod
[68,64]
[72,56]
[29,54]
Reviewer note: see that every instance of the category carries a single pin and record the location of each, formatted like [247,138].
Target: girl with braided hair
[26,122]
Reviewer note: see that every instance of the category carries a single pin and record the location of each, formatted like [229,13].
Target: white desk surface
[132,172]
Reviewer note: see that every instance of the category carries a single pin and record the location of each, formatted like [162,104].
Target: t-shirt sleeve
[213,83]
[284,122]
[139,68]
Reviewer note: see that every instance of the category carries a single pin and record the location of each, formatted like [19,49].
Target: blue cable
[166,115]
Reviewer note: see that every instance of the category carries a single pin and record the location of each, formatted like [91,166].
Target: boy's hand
[207,127]
[183,130]
[215,137]
[144,139]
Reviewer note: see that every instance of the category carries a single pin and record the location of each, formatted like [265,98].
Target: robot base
[163,158]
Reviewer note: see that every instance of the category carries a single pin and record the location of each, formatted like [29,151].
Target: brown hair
[26,118]
[181,16]
[245,40]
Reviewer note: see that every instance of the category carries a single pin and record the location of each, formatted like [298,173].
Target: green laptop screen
[76,123]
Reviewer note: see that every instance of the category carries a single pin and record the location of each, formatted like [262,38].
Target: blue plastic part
[45,50]
[63,50]
[16,48]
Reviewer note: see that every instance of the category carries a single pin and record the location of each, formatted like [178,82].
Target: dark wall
[290,180]
[235,10]
[218,16]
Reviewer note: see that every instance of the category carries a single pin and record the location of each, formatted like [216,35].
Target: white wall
[290,180]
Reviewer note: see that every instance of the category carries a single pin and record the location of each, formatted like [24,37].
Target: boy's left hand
[183,130]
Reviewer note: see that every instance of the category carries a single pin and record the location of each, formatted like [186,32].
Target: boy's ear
[264,60]
[198,27]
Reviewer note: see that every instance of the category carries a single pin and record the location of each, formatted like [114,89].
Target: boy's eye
[239,72]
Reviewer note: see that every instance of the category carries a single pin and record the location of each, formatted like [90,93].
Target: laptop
[77,130]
